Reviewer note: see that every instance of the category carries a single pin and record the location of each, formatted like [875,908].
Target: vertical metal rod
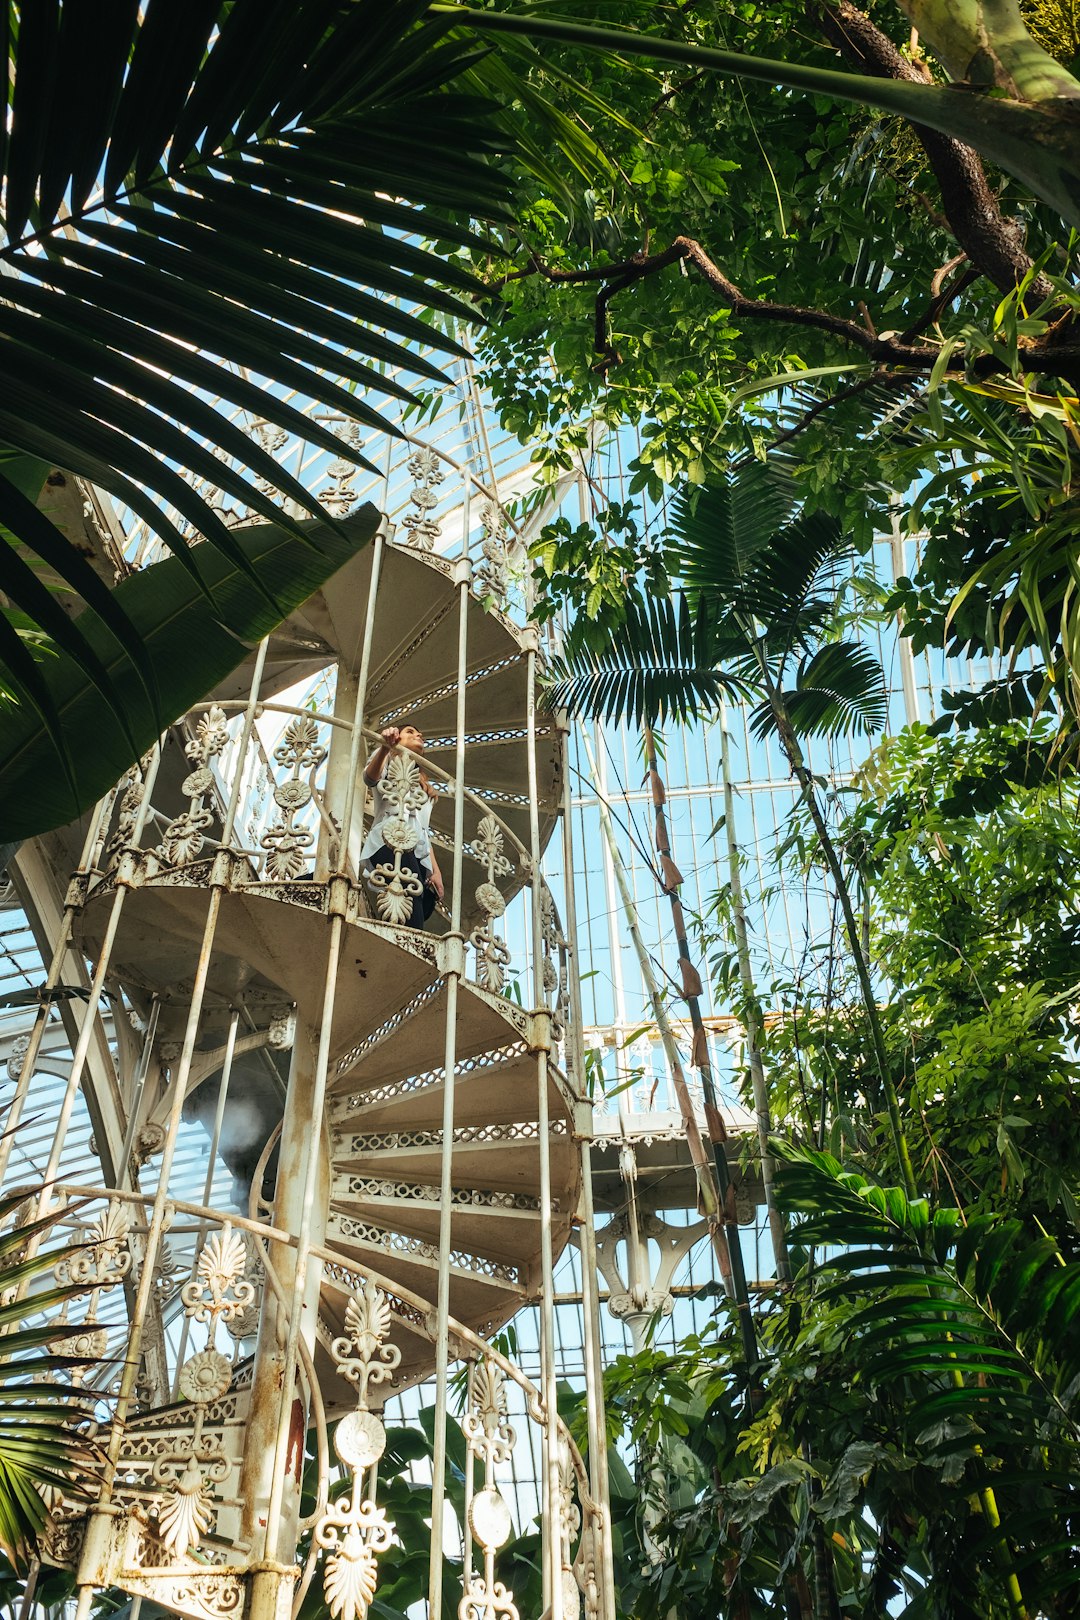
[303,1240]
[208,1183]
[337,770]
[590,1291]
[56,966]
[551,1495]
[138,1085]
[594,1387]
[156,1224]
[245,739]
[97,984]
[454,966]
[361,698]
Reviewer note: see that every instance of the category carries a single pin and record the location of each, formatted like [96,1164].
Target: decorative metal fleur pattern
[352,1528]
[218,1291]
[182,840]
[492,572]
[339,497]
[131,792]
[101,1261]
[272,438]
[287,844]
[569,1516]
[555,965]
[188,1470]
[492,955]
[394,886]
[361,1355]
[490,1440]
[426,473]
[16,1056]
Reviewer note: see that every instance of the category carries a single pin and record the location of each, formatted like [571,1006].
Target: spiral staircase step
[495,1225]
[492,1092]
[500,1158]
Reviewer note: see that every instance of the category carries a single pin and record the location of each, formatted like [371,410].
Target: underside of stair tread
[411,1039]
[268,952]
[498,1164]
[498,1226]
[497,1096]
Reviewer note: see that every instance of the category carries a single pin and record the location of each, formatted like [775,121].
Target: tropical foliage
[209,217]
[971,921]
[802,287]
[42,1446]
[915,1357]
[802,283]
[764,584]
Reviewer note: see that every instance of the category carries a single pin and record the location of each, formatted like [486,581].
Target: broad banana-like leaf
[58,757]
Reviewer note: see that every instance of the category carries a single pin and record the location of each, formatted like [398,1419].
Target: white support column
[453,967]
[275,1380]
[552,1483]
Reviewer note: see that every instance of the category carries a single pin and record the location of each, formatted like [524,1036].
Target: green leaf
[189,646]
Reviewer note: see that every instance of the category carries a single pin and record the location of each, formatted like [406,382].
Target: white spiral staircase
[219,948]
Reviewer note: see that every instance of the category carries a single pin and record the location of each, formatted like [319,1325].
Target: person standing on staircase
[420,860]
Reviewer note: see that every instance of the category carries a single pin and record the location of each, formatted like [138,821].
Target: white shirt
[419,821]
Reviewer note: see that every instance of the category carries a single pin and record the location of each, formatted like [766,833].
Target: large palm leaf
[207,208]
[742,544]
[659,663]
[971,1331]
[185,648]
[763,580]
[838,691]
[41,1446]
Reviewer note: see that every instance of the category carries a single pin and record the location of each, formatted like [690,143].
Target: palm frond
[659,665]
[41,1445]
[767,569]
[793,587]
[980,1318]
[839,690]
[722,529]
[206,209]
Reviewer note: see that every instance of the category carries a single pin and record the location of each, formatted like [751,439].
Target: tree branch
[877,379]
[1053,358]
[992,242]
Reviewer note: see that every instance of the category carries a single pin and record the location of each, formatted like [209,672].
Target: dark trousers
[424,902]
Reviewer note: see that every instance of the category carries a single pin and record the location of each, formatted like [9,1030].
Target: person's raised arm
[374,767]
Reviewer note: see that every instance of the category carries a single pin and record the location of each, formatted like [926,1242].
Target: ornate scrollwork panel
[353,1529]
[494,568]
[492,953]
[490,1439]
[427,474]
[183,839]
[396,887]
[287,844]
